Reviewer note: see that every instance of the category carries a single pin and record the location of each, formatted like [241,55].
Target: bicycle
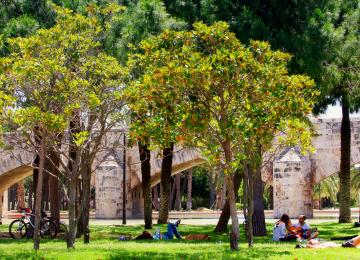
[60,225]
[20,227]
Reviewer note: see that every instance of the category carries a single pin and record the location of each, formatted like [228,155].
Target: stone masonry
[292,174]
[292,185]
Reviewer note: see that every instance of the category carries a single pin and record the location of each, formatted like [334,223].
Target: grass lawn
[105,245]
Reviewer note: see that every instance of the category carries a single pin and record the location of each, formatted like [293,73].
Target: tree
[189,190]
[338,24]
[221,226]
[59,74]
[145,156]
[289,26]
[37,117]
[141,20]
[231,98]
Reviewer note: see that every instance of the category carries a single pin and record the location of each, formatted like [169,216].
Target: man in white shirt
[302,223]
[306,232]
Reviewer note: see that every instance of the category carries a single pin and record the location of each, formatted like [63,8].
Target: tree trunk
[35,176]
[39,186]
[20,194]
[79,219]
[45,196]
[250,209]
[1,205]
[258,202]
[344,174]
[165,184]
[145,156]
[72,214]
[156,197]
[172,194]
[54,187]
[189,190]
[30,197]
[86,190]
[221,226]
[271,199]
[223,194]
[212,190]
[177,194]
[235,232]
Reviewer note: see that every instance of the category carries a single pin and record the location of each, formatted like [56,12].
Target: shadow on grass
[105,245]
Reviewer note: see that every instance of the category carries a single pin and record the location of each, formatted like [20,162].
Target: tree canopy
[225,98]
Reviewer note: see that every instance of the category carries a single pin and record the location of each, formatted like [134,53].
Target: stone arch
[183,159]
[13,176]
[326,160]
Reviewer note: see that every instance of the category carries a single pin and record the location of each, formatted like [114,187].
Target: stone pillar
[292,185]
[137,199]
[109,187]
[3,204]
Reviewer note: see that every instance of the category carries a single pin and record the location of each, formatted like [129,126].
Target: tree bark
[39,186]
[156,197]
[30,197]
[21,194]
[172,194]
[212,190]
[72,214]
[250,209]
[165,184]
[86,190]
[1,205]
[223,194]
[145,156]
[258,202]
[235,232]
[54,186]
[344,174]
[221,226]
[189,190]
[79,202]
[177,194]
[35,176]
[271,199]
[45,196]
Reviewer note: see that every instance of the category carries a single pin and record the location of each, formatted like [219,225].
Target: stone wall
[109,186]
[327,144]
[292,185]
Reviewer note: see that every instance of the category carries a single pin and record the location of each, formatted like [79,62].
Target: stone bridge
[109,180]
[292,174]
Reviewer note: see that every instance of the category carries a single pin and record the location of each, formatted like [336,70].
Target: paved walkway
[197,222]
[204,217]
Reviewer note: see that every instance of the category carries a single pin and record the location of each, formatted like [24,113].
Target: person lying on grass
[281,230]
[354,242]
[315,243]
[303,229]
[171,231]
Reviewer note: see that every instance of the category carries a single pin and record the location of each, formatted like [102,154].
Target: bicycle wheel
[62,228]
[48,229]
[18,229]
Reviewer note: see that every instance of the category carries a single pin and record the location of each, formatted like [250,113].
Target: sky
[335,112]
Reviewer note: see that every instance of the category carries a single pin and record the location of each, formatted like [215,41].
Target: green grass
[104,245]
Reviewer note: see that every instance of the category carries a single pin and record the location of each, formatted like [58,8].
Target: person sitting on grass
[171,231]
[280,232]
[303,229]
